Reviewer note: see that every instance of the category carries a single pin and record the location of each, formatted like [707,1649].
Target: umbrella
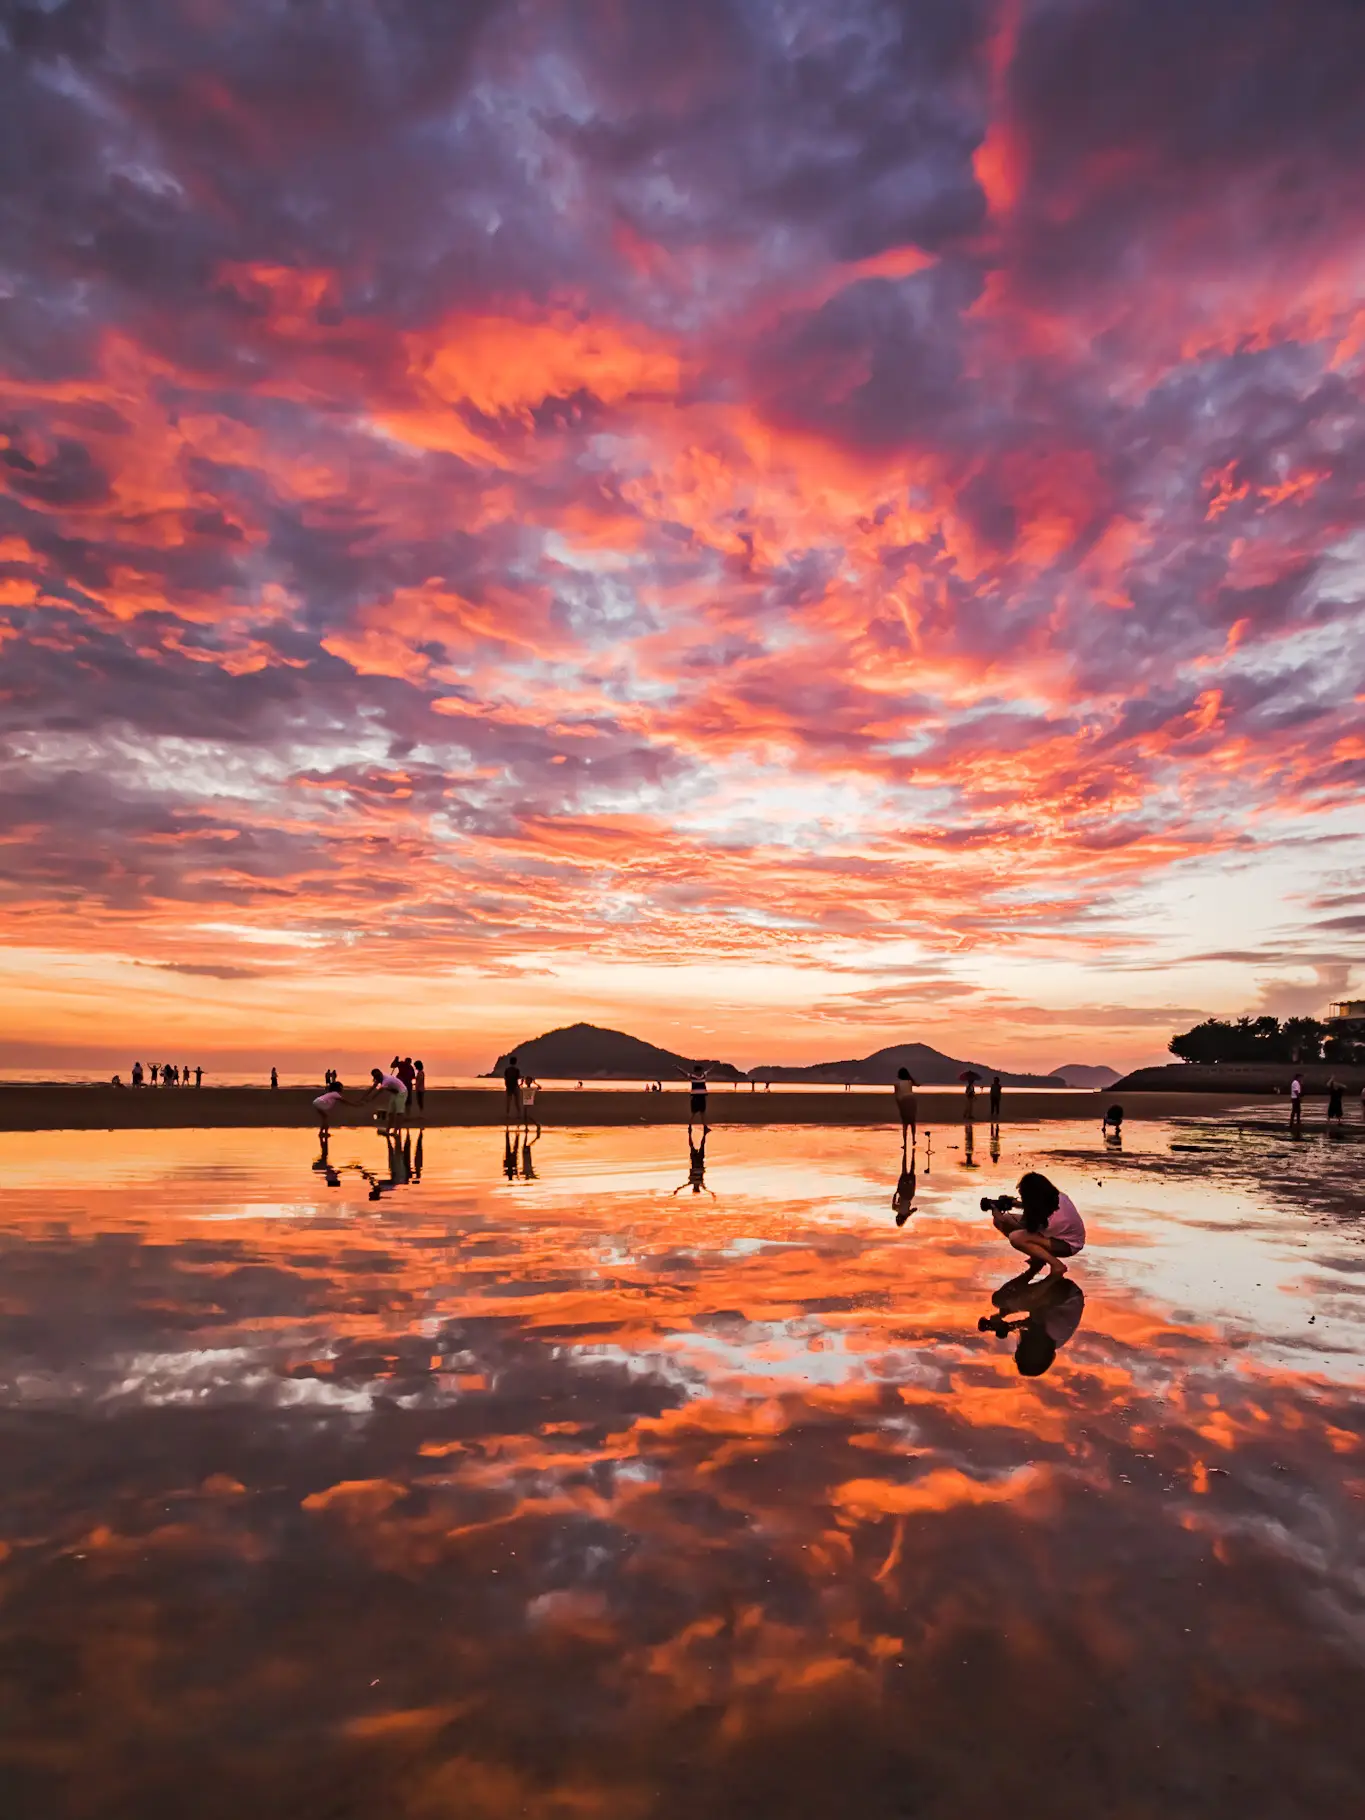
[970,1076]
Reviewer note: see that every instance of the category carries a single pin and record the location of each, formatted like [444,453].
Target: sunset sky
[783,526]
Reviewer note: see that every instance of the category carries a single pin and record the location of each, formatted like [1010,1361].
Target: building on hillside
[1345,1030]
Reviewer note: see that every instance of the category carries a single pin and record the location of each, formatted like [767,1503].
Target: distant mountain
[583,1052]
[1085,1074]
[879,1070]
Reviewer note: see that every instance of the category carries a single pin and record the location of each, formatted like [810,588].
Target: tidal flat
[470,1475]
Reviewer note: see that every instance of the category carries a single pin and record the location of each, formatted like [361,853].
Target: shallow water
[612,1491]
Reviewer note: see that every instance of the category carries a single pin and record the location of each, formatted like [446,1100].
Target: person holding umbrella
[971,1077]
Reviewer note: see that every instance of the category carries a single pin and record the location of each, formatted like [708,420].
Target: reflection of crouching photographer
[1042,1223]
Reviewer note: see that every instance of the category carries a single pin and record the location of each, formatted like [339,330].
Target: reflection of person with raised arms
[696,1164]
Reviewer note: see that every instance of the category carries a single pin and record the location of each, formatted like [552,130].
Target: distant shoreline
[72,1108]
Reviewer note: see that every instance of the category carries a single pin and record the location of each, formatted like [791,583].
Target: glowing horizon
[779,529]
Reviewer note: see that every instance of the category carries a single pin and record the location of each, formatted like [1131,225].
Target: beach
[86,1108]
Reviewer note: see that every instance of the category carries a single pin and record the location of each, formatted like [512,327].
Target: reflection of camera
[1001,1204]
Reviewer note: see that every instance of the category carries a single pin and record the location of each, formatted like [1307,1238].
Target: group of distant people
[904,1085]
[1336,1102]
[165,1074]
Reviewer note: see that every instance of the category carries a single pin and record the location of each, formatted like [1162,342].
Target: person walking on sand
[1296,1104]
[904,1089]
[995,1099]
[275,1079]
[511,1081]
[1335,1102]
[1043,1223]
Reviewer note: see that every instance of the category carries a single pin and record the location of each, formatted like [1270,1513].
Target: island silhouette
[590,1053]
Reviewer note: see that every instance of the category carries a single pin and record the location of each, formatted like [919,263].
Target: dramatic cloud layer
[514,497]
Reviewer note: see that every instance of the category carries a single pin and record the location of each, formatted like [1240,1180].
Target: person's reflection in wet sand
[399,1160]
[696,1164]
[968,1139]
[995,1143]
[509,1154]
[1051,1312]
[903,1200]
[324,1164]
[417,1157]
[528,1169]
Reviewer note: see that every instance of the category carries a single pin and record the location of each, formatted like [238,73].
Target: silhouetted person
[995,1143]
[407,1073]
[1296,1104]
[154,1071]
[199,1077]
[696,1105]
[137,1074]
[275,1079]
[1051,1314]
[995,1099]
[509,1153]
[511,1080]
[419,1084]
[696,1164]
[1113,1118]
[904,1089]
[1335,1104]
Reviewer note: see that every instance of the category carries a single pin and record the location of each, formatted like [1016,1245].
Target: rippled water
[608,1482]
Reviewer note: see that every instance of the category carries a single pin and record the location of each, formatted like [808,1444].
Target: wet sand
[547,1484]
[47,1108]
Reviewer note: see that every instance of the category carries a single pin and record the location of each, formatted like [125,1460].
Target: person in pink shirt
[1042,1223]
[396,1088]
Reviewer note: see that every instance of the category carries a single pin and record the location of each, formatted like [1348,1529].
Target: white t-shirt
[1296,1088]
[904,1090]
[392,1084]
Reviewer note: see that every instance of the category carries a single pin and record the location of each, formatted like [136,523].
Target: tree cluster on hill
[1252,1039]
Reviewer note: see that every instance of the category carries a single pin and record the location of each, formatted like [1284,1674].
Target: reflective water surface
[607,1478]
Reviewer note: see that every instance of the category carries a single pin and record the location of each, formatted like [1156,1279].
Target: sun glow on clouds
[628,499]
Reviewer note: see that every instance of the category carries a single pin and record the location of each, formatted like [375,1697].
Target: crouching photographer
[1042,1223]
